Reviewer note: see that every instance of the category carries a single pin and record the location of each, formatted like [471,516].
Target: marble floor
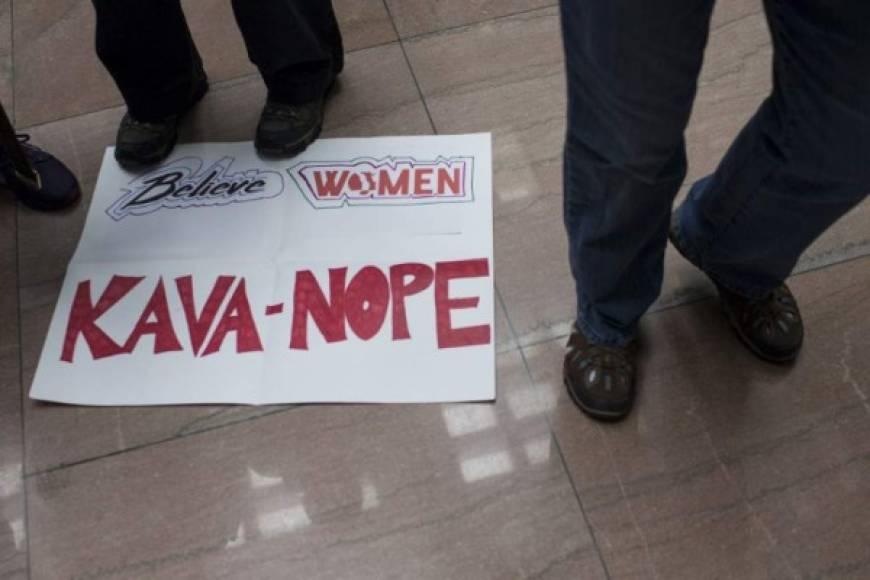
[729,468]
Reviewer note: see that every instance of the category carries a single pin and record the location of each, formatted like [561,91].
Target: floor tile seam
[583,512]
[558,446]
[22,394]
[411,71]
[12,70]
[512,80]
[810,479]
[475,23]
[628,503]
[12,348]
[818,425]
[695,298]
[846,353]
[157,442]
[771,539]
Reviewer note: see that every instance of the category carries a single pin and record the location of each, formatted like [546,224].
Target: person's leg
[797,167]
[631,69]
[296,45]
[800,163]
[148,50]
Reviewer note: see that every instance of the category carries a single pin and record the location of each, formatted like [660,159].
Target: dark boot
[143,143]
[600,379]
[286,130]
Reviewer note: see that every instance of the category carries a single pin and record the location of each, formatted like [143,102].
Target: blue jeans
[801,162]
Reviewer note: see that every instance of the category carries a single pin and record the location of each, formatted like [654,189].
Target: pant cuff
[604,339]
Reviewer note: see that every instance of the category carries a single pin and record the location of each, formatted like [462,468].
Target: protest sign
[360,271]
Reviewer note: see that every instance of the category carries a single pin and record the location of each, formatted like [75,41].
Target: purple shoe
[52,186]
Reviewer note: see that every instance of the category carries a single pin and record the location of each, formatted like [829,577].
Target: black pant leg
[147,48]
[296,45]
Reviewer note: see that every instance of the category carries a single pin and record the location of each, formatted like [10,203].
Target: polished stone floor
[729,468]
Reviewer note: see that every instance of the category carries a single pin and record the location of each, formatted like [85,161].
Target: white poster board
[360,271]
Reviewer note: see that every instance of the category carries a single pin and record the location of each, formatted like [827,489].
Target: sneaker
[51,185]
[600,379]
[286,130]
[143,143]
[771,326]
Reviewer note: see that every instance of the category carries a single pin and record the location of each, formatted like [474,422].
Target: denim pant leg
[632,70]
[802,161]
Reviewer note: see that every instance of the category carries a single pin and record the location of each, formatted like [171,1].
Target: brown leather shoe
[771,326]
[600,379]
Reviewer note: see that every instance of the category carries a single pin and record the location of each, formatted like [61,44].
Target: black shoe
[771,327]
[287,130]
[600,379]
[52,186]
[141,143]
